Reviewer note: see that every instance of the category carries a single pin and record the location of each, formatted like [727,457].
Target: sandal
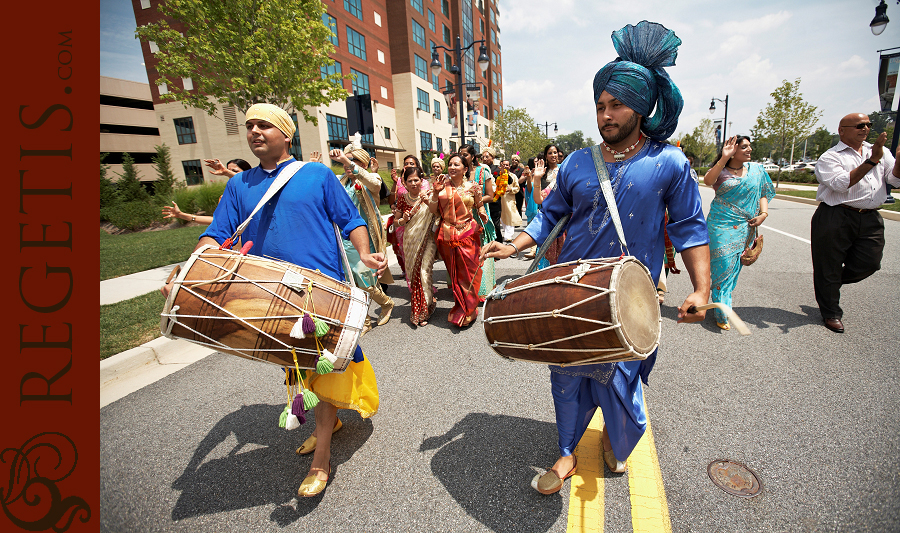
[661,294]
[724,326]
[550,483]
[309,445]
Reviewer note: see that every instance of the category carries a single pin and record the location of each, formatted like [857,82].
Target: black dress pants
[847,247]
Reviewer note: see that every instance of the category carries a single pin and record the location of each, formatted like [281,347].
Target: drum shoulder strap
[286,174]
[606,186]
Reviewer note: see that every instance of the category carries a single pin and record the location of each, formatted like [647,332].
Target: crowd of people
[466,209]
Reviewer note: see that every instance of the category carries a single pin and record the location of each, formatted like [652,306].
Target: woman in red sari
[412,214]
[459,237]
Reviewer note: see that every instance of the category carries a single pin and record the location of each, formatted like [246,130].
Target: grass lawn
[121,255]
[125,325]
[812,194]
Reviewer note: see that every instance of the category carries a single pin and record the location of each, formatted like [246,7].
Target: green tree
[881,122]
[572,141]
[129,184]
[700,143]
[820,141]
[243,52]
[786,120]
[108,193]
[165,183]
[516,132]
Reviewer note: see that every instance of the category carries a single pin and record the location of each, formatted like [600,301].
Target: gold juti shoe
[309,445]
[312,485]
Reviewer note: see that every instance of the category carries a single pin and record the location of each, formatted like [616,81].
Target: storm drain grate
[734,478]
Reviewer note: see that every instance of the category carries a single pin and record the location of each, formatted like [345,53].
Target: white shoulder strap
[282,178]
[600,167]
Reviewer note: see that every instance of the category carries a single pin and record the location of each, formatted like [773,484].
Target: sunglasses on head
[861,125]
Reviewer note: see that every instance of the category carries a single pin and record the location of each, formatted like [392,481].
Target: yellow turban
[274,115]
[440,161]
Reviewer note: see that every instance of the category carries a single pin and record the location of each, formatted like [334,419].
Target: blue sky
[551,51]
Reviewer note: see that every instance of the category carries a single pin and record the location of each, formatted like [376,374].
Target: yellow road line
[649,508]
[586,510]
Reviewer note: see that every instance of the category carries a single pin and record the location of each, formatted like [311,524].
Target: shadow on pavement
[761,317]
[486,463]
[262,468]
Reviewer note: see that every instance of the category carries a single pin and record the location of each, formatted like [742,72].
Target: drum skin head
[637,308]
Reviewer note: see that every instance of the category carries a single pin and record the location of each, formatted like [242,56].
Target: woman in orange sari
[459,237]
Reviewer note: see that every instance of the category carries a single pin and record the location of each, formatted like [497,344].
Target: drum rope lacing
[173,316]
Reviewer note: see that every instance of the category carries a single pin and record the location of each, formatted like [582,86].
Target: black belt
[858,210]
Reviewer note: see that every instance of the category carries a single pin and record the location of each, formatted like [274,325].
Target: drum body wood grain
[581,312]
[251,311]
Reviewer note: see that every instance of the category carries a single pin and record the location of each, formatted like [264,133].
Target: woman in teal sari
[743,190]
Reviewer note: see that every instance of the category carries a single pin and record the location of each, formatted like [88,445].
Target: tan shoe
[614,465]
[385,301]
[550,483]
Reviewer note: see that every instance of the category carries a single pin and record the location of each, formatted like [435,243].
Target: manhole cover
[734,478]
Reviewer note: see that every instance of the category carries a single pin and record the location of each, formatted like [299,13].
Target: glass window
[387,133]
[431,25]
[331,69]
[295,149]
[452,147]
[417,5]
[337,128]
[193,172]
[445,7]
[361,83]
[440,144]
[354,7]
[495,97]
[423,100]
[493,36]
[184,130]
[356,43]
[434,82]
[421,67]
[425,140]
[418,33]
[448,86]
[446,34]
[481,25]
[437,109]
[331,23]
[448,61]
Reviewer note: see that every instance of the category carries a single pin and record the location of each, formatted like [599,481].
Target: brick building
[388,45]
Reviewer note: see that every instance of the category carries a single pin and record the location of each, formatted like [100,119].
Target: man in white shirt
[847,230]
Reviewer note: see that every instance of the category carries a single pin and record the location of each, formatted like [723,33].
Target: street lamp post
[483,62]
[546,126]
[712,109]
[877,25]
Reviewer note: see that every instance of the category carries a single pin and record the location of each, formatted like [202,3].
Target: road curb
[890,215]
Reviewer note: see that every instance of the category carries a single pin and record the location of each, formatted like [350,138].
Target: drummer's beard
[623,132]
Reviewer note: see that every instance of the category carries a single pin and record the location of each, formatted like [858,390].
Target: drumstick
[732,316]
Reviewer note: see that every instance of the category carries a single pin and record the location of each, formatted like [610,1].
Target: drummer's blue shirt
[657,178]
[295,225]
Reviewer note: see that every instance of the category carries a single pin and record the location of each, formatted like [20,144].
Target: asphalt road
[460,431]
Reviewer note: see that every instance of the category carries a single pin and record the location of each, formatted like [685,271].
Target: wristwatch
[869,161]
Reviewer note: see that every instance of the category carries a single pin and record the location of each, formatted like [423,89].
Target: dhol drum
[248,306]
[580,312]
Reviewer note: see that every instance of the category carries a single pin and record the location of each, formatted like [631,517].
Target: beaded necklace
[619,156]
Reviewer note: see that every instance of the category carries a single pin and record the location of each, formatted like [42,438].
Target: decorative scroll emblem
[34,470]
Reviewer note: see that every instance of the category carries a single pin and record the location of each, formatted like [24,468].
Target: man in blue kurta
[647,176]
[296,225]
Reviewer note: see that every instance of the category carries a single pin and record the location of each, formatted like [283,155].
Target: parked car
[771,167]
[798,166]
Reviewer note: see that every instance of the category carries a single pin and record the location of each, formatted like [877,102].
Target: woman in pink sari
[459,237]
[395,232]
[411,213]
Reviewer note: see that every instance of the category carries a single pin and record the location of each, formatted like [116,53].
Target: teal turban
[636,77]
